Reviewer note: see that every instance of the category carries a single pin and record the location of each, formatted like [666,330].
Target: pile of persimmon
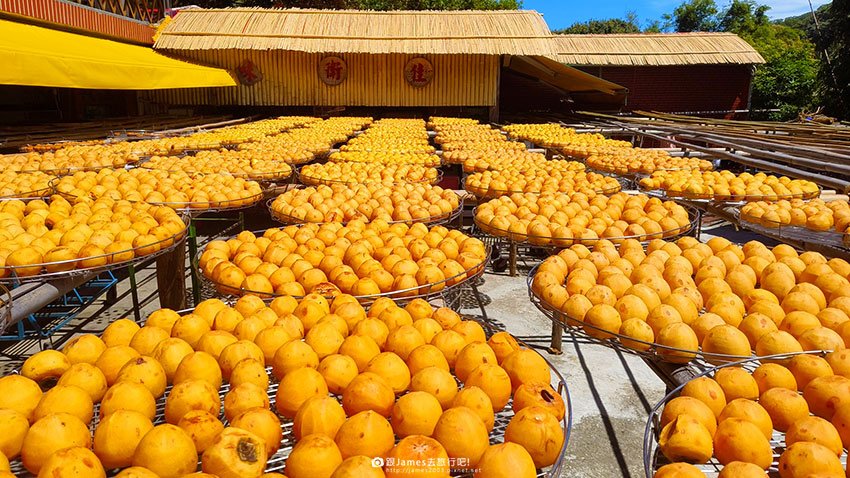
[379,157]
[68,159]
[38,236]
[725,185]
[246,164]
[547,135]
[23,185]
[300,145]
[173,188]
[565,219]
[462,155]
[271,127]
[440,123]
[391,135]
[366,173]
[584,149]
[460,136]
[645,161]
[717,297]
[513,159]
[228,135]
[484,145]
[565,140]
[291,148]
[354,385]
[362,259]
[817,215]
[45,147]
[554,176]
[469,138]
[343,203]
[728,420]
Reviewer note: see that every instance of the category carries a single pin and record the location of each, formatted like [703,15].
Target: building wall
[682,89]
[291,79]
[86,19]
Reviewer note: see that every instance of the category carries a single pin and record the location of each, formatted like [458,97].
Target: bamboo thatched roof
[655,49]
[356,31]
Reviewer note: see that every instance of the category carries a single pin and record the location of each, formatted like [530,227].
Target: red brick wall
[521,94]
[682,88]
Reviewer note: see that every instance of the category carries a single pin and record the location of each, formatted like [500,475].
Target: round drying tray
[436,290]
[490,193]
[195,208]
[65,269]
[430,220]
[794,233]
[277,462]
[648,350]
[729,200]
[25,196]
[69,171]
[314,181]
[254,176]
[549,241]
[653,459]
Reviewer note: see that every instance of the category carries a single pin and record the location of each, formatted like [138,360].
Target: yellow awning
[37,56]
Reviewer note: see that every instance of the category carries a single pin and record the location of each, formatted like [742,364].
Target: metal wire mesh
[653,459]
[648,350]
[277,462]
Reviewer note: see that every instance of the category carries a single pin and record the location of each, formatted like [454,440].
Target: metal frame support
[134,294]
[556,343]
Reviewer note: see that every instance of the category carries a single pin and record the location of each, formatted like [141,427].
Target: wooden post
[494,110]
[171,277]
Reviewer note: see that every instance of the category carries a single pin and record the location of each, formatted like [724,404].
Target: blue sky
[563,13]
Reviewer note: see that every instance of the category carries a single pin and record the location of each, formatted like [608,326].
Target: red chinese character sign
[333,70]
[248,73]
[418,72]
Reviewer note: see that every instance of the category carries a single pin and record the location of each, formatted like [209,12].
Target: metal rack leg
[555,346]
[193,251]
[512,253]
[479,300]
[134,294]
[699,224]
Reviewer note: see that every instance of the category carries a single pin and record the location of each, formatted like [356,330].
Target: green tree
[653,26]
[693,16]
[744,16]
[627,24]
[613,25]
[788,80]
[833,39]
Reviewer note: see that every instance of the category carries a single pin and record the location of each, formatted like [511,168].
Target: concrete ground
[611,393]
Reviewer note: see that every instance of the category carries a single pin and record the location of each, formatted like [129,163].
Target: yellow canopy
[37,56]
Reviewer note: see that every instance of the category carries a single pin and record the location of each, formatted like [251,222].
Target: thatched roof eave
[659,49]
[357,31]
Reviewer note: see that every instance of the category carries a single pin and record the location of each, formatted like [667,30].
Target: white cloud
[788,8]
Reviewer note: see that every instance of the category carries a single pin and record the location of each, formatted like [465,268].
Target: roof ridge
[362,12]
[649,34]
